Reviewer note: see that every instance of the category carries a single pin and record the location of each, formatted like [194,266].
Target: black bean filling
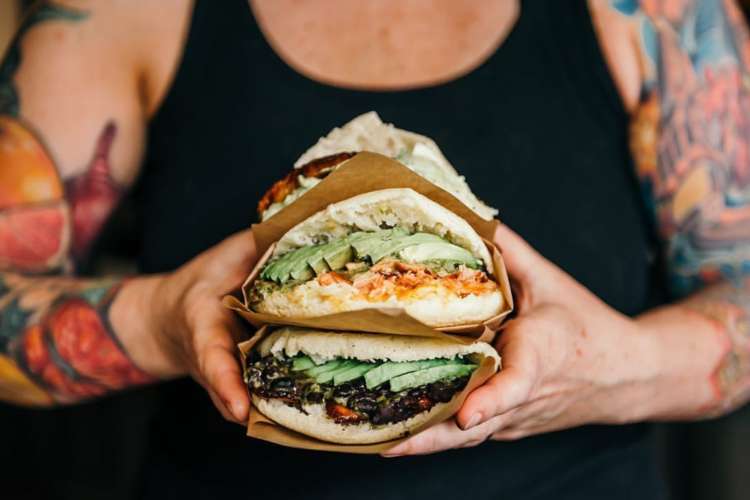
[348,403]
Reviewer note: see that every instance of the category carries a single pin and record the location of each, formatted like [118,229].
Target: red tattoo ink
[93,195]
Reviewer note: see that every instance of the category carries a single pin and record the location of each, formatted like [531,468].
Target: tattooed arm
[76,87]
[56,339]
[568,358]
[691,139]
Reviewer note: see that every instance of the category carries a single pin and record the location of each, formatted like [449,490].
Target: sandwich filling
[356,392]
[378,265]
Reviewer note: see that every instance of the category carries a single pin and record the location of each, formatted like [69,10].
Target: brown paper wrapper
[261,427]
[380,320]
[365,172]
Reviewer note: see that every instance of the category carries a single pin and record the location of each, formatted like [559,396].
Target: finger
[219,404]
[444,436]
[520,258]
[505,391]
[221,371]
[509,388]
[513,434]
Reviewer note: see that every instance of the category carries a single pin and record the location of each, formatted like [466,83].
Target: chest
[387,43]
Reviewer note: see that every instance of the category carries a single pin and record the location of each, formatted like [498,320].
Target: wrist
[628,372]
[139,316]
[683,350]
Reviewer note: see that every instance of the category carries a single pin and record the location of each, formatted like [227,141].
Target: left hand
[567,359]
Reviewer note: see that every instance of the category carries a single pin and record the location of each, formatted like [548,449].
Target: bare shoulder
[617,35]
[79,63]
[163,29]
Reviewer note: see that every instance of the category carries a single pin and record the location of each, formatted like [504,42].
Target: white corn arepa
[436,304]
[367,132]
[323,346]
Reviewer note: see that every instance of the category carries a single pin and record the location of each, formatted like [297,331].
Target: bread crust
[326,345]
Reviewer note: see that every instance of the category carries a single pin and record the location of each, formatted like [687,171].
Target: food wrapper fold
[363,173]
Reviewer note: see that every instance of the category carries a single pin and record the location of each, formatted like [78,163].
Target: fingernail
[234,408]
[473,420]
[393,452]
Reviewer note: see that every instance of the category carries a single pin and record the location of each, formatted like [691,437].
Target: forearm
[66,339]
[700,364]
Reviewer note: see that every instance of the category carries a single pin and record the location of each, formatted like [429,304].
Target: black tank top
[539,132]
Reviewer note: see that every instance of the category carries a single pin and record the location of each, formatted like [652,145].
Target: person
[632,304]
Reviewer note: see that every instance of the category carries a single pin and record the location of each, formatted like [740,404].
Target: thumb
[520,258]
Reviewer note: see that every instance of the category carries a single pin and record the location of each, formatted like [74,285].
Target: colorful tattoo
[56,343]
[729,309]
[690,139]
[34,216]
[691,136]
[47,225]
[93,195]
[55,338]
[9,104]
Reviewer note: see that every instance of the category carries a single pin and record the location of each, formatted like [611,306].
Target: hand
[567,359]
[184,328]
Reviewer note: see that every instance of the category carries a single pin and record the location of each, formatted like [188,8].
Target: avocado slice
[352,373]
[331,365]
[387,371]
[393,246]
[301,363]
[277,269]
[437,251]
[364,242]
[300,269]
[338,254]
[430,375]
[318,264]
[326,377]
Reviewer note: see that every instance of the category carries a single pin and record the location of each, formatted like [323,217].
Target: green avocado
[338,254]
[302,363]
[437,251]
[430,375]
[272,270]
[391,247]
[352,373]
[300,270]
[331,365]
[387,371]
[304,263]
[327,376]
[317,263]
[364,242]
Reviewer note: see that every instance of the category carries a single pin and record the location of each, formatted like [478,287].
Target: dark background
[95,450]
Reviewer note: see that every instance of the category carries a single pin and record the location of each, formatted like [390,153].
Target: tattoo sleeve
[691,144]
[56,342]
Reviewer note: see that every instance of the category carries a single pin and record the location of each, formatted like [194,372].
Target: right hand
[185,329]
